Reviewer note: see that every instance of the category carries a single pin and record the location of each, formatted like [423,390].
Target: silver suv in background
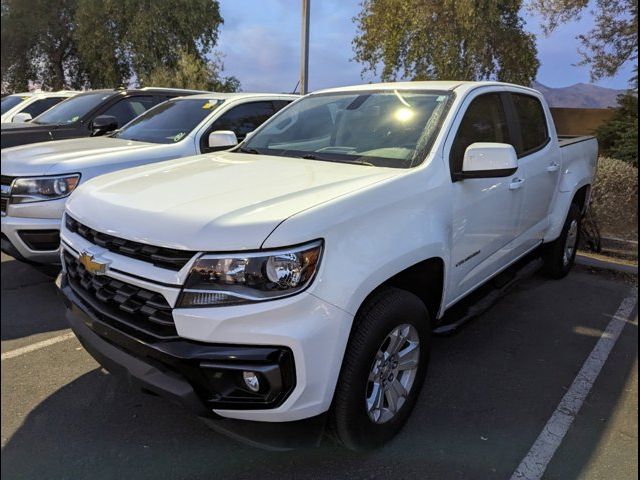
[38,178]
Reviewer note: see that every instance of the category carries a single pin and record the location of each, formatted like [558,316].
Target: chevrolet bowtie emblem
[92,265]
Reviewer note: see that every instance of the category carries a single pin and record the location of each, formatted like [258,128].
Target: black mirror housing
[103,124]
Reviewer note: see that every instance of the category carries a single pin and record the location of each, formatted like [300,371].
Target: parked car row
[179,127]
[291,283]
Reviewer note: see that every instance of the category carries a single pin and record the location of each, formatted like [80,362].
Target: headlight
[38,189]
[222,280]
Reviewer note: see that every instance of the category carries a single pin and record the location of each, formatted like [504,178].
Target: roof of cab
[439,85]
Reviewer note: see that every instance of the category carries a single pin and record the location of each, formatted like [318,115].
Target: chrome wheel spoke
[392,399]
[396,342]
[399,389]
[374,402]
[408,358]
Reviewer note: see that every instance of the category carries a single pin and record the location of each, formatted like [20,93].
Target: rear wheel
[560,255]
[383,370]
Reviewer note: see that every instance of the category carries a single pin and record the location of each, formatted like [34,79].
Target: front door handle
[516,183]
[553,167]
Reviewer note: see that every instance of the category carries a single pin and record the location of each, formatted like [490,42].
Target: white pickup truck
[297,279]
[37,178]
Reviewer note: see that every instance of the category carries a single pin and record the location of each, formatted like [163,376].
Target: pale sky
[260,40]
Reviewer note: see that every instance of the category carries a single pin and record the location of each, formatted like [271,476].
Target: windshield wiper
[311,156]
[249,150]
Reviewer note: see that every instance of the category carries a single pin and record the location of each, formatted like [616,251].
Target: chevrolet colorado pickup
[297,279]
[87,114]
[38,178]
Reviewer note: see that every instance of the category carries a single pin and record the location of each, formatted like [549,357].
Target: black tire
[555,264]
[385,310]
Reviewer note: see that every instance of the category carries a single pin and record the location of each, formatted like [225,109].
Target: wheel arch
[424,279]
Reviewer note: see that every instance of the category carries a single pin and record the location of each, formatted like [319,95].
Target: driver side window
[484,121]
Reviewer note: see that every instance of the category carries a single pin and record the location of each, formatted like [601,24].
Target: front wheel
[383,370]
[560,255]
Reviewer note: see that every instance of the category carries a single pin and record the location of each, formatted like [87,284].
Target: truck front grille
[5,183]
[159,256]
[121,304]
[6,180]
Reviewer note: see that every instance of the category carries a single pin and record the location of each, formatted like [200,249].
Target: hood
[69,156]
[216,202]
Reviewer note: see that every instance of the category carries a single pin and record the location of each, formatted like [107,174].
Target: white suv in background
[22,107]
[37,178]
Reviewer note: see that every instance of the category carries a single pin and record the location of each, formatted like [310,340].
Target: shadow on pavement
[29,303]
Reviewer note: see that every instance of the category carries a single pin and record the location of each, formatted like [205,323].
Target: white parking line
[37,346]
[537,460]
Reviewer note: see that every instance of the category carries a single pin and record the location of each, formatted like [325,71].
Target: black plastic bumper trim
[140,373]
[189,360]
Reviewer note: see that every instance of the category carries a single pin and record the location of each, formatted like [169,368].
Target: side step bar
[487,295]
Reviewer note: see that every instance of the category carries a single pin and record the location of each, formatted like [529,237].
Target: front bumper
[169,371]
[32,239]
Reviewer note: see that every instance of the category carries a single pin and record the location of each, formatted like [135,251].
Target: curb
[588,261]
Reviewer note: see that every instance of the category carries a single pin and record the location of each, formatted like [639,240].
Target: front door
[486,211]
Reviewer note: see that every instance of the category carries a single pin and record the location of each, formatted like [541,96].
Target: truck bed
[564,140]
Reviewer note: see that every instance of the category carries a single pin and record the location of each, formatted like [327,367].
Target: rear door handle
[553,167]
[516,183]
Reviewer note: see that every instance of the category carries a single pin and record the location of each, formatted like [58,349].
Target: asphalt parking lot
[490,391]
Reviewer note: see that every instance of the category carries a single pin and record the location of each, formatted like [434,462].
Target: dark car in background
[88,114]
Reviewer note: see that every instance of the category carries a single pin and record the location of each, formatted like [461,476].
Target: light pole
[304,59]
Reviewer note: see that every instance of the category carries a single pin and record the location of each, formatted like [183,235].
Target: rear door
[540,160]
[486,211]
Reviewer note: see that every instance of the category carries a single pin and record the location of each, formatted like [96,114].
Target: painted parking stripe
[37,346]
[536,461]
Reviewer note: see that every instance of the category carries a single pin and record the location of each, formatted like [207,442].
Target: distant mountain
[580,95]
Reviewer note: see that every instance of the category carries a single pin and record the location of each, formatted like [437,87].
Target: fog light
[251,381]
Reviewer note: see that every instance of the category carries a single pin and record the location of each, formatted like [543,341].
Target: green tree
[103,43]
[618,138]
[449,39]
[192,72]
[611,43]
[37,43]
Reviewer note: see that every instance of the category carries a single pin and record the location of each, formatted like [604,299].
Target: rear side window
[244,118]
[39,106]
[484,121]
[533,123]
[129,108]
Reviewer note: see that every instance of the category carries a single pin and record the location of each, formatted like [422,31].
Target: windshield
[72,110]
[383,128]
[170,121]
[11,101]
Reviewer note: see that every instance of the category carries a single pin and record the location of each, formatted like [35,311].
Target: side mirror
[489,160]
[21,118]
[222,138]
[103,124]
